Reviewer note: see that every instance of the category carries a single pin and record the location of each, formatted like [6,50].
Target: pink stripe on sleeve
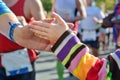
[77,59]
[103,72]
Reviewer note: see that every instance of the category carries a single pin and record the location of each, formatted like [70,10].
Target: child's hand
[50,31]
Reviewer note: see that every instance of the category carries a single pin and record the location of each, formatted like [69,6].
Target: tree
[47,4]
[108,4]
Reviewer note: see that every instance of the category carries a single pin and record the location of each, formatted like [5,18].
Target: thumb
[58,18]
[71,25]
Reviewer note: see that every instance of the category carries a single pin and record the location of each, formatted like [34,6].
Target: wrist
[11,30]
[59,41]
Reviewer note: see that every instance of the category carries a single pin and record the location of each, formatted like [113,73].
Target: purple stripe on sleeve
[65,50]
[118,53]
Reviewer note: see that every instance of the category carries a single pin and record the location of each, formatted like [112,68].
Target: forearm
[77,18]
[6,16]
[83,14]
[81,9]
[37,10]
[75,56]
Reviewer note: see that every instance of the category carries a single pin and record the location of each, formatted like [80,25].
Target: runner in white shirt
[89,26]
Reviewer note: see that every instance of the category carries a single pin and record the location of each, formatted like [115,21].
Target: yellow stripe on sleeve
[84,66]
[70,53]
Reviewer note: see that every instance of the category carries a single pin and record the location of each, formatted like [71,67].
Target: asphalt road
[46,68]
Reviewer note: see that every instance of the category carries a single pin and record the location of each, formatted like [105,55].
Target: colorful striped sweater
[75,56]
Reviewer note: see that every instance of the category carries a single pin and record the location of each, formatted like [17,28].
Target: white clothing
[66,8]
[88,23]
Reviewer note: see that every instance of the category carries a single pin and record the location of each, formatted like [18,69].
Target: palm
[27,39]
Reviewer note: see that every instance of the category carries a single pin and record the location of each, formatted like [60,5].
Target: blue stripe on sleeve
[3,8]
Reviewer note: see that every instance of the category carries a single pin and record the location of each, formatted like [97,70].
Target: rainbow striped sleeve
[3,8]
[75,56]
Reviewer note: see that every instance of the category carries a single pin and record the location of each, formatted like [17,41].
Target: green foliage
[108,4]
[100,2]
[47,4]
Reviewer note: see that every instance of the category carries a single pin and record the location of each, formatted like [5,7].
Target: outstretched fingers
[50,31]
[59,19]
[71,25]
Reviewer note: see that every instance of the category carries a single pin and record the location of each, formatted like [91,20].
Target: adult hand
[50,31]
[24,37]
